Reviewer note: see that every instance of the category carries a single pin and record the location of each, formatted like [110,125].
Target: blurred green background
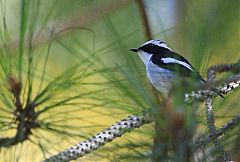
[88,42]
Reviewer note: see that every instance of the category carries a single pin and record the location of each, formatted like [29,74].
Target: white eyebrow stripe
[164,45]
[173,60]
[157,43]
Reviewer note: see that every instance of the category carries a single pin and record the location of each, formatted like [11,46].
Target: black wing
[161,52]
[176,67]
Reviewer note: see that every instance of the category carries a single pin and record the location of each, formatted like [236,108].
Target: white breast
[160,78]
[145,57]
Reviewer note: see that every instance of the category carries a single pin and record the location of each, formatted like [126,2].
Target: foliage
[66,73]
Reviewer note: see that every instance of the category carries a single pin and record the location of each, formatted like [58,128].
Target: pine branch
[209,113]
[219,132]
[230,84]
[212,130]
[107,135]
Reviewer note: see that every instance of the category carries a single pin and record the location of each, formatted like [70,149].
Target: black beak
[134,49]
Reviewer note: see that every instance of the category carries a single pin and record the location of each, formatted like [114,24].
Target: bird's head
[150,48]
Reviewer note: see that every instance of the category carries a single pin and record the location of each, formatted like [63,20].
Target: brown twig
[24,116]
[157,141]
[145,22]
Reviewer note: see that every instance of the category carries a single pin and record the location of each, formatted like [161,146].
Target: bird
[164,66]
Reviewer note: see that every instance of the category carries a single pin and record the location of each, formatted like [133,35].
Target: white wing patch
[173,60]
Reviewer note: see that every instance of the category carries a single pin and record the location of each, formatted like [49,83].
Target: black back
[162,52]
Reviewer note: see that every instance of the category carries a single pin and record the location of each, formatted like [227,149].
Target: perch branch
[230,84]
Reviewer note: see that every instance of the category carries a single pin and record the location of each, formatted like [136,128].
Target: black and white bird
[164,66]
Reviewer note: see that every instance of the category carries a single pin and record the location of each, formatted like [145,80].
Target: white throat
[145,57]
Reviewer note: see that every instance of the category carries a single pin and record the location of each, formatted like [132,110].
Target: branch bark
[107,135]
[219,132]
